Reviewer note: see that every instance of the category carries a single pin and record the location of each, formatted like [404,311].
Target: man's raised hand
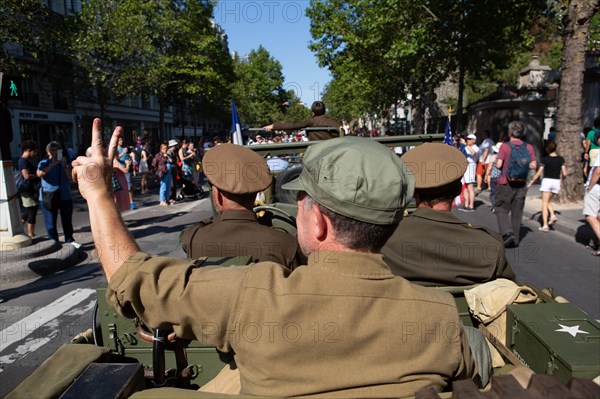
[94,174]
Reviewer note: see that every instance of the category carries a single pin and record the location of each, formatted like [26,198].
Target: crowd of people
[169,164]
[49,183]
[508,168]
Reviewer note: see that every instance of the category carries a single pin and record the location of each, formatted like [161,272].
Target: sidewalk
[571,220]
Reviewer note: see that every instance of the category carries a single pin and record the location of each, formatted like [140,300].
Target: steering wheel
[281,220]
[274,209]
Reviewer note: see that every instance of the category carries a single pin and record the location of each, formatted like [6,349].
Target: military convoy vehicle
[123,358]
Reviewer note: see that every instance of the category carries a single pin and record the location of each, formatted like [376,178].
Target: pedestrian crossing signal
[11,87]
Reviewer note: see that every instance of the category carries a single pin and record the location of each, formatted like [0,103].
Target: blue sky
[283,29]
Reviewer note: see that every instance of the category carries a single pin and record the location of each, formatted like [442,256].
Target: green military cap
[235,169]
[435,165]
[356,177]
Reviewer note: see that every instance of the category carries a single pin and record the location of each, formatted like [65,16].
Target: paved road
[38,317]
[550,260]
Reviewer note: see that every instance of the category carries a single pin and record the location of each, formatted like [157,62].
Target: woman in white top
[471,151]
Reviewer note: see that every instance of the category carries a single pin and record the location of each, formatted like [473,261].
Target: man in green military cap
[236,174]
[434,247]
[343,325]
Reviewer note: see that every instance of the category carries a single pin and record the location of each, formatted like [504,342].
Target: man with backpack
[515,159]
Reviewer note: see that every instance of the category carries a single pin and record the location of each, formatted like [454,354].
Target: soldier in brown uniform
[236,174]
[342,326]
[317,119]
[434,247]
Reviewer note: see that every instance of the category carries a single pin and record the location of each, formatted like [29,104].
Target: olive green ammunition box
[555,338]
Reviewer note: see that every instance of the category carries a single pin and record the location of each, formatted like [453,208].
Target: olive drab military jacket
[437,248]
[238,233]
[342,326]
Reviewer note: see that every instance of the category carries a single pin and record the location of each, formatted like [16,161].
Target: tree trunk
[570,98]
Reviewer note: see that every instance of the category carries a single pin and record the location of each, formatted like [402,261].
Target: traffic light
[11,87]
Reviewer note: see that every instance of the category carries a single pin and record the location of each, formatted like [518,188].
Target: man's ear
[321,222]
[217,198]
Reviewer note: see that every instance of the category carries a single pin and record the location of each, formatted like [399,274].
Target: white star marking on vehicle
[571,330]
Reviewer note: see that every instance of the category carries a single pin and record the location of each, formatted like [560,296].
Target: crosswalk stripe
[26,326]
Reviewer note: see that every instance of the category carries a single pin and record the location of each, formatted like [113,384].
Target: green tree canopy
[258,89]
[167,48]
[402,47]
[189,60]
[28,29]
[348,95]
[110,47]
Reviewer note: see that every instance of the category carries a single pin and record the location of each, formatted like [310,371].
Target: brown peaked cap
[435,164]
[236,169]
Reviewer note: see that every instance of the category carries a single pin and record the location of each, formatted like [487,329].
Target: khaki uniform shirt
[238,233]
[342,326]
[314,121]
[436,248]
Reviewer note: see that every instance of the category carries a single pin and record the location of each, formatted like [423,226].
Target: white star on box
[571,330]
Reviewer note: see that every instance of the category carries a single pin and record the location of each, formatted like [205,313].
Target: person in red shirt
[510,195]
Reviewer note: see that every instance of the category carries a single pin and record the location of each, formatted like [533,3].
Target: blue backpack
[518,163]
[23,186]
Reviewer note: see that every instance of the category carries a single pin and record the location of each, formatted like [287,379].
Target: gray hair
[53,144]
[352,233]
[516,129]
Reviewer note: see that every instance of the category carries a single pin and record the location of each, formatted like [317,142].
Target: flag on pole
[448,138]
[236,129]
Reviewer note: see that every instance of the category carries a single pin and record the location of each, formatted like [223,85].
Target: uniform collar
[436,216]
[238,215]
[356,264]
